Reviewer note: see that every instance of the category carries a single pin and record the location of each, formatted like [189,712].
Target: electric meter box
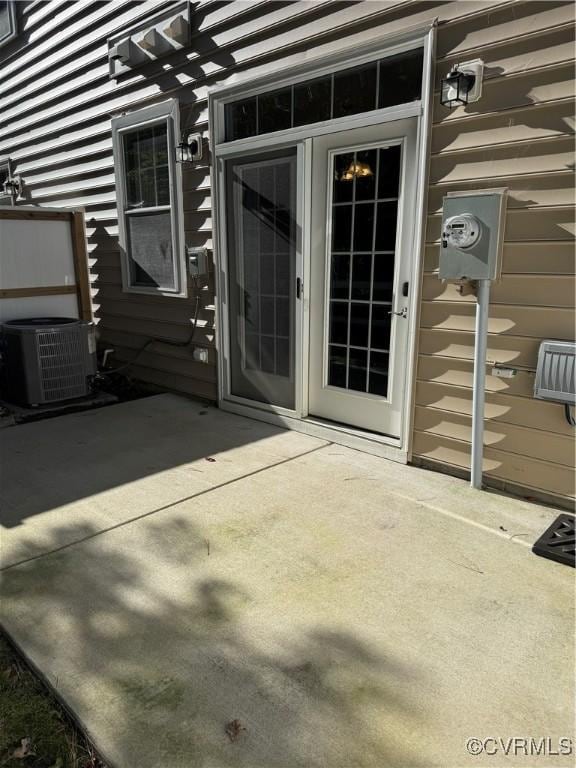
[472,234]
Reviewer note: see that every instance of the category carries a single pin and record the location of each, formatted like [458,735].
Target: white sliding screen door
[262,247]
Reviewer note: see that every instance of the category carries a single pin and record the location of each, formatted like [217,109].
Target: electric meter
[461,231]
[471,235]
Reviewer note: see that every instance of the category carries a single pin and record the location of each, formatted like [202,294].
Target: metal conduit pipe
[479,384]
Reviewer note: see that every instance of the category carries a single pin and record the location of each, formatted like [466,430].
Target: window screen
[262,242]
[150,249]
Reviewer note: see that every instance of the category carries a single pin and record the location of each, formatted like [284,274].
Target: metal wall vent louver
[556,372]
[47,360]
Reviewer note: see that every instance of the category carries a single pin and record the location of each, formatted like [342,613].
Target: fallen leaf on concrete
[24,750]
[209,458]
[233,729]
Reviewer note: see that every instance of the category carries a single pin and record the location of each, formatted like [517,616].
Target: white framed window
[8,25]
[148,193]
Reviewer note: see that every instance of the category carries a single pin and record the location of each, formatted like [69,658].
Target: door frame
[246,85]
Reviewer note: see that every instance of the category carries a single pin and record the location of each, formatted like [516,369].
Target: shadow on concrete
[155,668]
[53,463]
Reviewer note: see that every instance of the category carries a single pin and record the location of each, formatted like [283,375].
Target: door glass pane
[357,362]
[361,276]
[343,173]
[378,373]
[380,327]
[383,277]
[366,174]
[339,322]
[363,226]
[389,172]
[359,319]
[340,277]
[262,241]
[386,217]
[342,228]
[337,365]
[363,220]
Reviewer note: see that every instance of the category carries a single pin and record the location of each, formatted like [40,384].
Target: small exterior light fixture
[12,187]
[462,85]
[455,88]
[190,148]
[356,169]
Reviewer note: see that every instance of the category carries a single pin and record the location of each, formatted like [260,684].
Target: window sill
[157,292]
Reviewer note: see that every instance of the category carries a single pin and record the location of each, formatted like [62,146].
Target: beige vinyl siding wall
[520,136]
[56,103]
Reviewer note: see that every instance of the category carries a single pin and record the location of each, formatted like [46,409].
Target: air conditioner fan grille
[61,363]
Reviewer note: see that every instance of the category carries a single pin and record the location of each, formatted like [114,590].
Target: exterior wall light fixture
[463,84]
[190,148]
[13,187]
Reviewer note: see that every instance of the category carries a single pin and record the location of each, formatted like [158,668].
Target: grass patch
[35,731]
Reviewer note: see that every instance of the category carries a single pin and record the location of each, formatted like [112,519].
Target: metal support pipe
[478,393]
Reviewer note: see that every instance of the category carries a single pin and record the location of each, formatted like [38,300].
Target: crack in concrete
[161,509]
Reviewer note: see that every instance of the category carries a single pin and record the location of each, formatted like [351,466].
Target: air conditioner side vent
[61,363]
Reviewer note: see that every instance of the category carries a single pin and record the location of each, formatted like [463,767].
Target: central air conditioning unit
[47,359]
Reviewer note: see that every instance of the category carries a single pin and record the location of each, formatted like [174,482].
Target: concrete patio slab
[347,611]
[100,468]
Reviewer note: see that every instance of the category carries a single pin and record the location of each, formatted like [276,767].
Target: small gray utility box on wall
[556,372]
[472,233]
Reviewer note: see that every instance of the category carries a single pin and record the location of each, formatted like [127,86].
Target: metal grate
[558,542]
[61,362]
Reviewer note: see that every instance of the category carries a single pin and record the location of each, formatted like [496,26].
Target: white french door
[362,232]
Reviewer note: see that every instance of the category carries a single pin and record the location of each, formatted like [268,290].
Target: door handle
[299,287]
[403,312]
